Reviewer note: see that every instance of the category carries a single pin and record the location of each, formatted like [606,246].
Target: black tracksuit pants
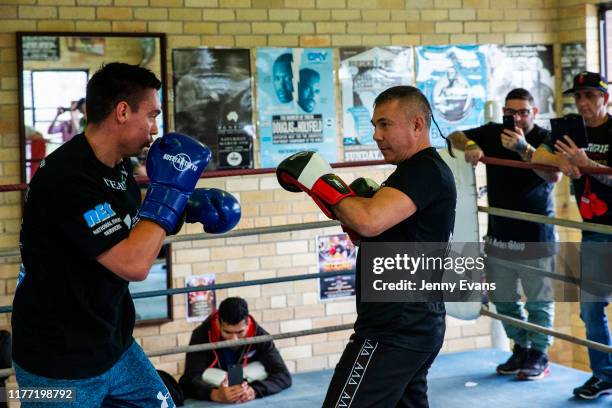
[371,374]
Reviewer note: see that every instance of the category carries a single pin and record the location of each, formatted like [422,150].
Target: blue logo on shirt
[99,213]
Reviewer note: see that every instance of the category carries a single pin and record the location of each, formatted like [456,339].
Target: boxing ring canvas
[456,380]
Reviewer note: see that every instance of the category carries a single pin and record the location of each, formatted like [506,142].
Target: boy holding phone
[593,195]
[519,190]
[217,375]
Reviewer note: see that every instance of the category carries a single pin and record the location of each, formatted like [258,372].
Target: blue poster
[364,73]
[296,101]
[454,80]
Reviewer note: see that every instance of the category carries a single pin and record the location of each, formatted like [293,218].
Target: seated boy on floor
[206,372]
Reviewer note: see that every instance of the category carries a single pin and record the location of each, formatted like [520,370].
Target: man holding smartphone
[506,240]
[217,375]
[593,194]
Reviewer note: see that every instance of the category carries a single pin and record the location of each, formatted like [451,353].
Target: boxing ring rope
[536,328]
[543,219]
[324,224]
[5,372]
[518,215]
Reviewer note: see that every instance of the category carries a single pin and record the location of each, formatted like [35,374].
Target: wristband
[470,144]
[522,146]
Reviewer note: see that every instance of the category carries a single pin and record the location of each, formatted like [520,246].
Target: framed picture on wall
[87,45]
[158,309]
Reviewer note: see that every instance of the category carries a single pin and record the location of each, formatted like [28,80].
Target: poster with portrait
[213,102]
[200,304]
[296,101]
[364,73]
[336,253]
[573,61]
[524,66]
[454,80]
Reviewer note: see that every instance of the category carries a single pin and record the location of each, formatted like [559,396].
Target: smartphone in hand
[509,123]
[234,375]
[571,125]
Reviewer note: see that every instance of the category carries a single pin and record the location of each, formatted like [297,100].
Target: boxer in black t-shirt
[86,234]
[387,359]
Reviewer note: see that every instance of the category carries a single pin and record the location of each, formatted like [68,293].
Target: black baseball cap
[588,80]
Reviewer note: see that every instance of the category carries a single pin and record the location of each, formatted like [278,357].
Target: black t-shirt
[429,182]
[599,150]
[514,189]
[73,318]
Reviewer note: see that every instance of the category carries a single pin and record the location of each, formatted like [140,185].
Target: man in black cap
[593,194]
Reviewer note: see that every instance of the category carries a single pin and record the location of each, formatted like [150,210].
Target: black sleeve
[278,375]
[479,134]
[419,180]
[195,364]
[547,141]
[86,214]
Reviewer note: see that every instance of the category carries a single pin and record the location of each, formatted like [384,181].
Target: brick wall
[293,23]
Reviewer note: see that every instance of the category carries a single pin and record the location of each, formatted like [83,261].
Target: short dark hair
[520,93]
[410,94]
[407,94]
[283,59]
[116,82]
[233,310]
[307,73]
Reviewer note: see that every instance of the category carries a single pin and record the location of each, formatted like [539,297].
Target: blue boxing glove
[174,165]
[217,210]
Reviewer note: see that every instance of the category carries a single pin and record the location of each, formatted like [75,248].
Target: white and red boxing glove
[309,172]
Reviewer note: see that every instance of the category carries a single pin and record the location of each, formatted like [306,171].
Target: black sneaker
[515,362]
[593,388]
[535,366]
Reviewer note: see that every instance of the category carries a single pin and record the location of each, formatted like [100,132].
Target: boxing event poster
[364,73]
[296,101]
[524,66]
[213,103]
[337,253]
[200,304]
[454,80]
[573,61]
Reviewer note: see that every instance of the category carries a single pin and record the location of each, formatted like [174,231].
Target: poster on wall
[296,101]
[40,48]
[200,304]
[213,103]
[524,66]
[364,73]
[454,80]
[86,45]
[336,253]
[573,61]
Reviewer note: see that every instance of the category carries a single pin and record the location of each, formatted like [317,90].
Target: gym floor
[462,380]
